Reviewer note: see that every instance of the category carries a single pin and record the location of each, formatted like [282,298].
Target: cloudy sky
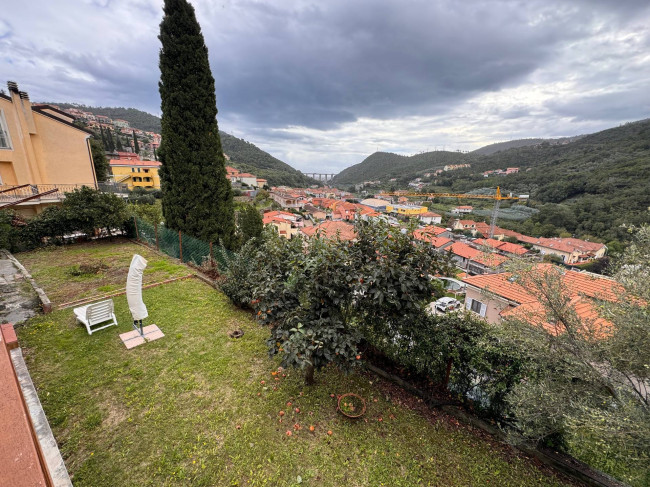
[322,84]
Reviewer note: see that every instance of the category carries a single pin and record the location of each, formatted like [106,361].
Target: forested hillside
[513,144]
[243,155]
[385,165]
[250,158]
[588,187]
[137,118]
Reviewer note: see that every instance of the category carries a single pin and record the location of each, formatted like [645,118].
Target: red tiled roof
[576,284]
[281,214]
[423,235]
[500,285]
[569,245]
[429,214]
[488,242]
[331,229]
[275,219]
[506,233]
[467,222]
[490,259]
[127,162]
[535,314]
[512,248]
[463,250]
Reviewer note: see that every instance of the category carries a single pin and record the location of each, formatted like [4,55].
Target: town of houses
[480,259]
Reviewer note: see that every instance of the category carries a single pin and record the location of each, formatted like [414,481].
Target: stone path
[18,301]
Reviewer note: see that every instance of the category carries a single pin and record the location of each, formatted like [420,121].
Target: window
[133,169]
[5,140]
[475,306]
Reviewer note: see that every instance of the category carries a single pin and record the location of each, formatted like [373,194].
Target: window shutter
[483,310]
[468,303]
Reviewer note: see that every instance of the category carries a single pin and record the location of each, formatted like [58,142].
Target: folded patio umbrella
[134,288]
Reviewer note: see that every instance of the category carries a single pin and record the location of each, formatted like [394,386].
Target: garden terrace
[199,408]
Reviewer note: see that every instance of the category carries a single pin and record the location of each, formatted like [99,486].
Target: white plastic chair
[96,314]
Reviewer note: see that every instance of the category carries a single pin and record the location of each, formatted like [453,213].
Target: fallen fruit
[296,426]
[329,432]
[281,413]
[289,404]
[238,426]
[311,428]
[358,357]
[289,433]
[297,410]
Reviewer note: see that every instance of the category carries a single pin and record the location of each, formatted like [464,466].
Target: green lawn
[198,408]
[56,269]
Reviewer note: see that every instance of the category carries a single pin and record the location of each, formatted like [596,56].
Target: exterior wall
[44,150]
[493,305]
[285,229]
[64,153]
[565,256]
[429,220]
[250,181]
[120,171]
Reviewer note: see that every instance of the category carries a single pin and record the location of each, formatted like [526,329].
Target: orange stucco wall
[44,150]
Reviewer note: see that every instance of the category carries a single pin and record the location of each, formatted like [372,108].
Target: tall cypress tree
[136,147]
[101,131]
[119,146]
[197,197]
[110,144]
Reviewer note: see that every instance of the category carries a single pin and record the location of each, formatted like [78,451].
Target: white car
[446,304]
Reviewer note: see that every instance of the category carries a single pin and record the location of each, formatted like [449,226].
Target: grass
[198,408]
[56,269]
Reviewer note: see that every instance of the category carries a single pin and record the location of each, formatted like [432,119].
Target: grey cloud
[628,105]
[326,65]
[320,65]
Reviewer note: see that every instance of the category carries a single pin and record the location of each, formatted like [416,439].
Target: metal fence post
[137,234]
[180,244]
[155,226]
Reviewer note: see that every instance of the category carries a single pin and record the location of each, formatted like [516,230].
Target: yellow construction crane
[498,197]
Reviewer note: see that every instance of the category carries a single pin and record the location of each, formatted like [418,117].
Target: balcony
[36,194]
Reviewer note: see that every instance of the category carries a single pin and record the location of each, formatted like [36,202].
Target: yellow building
[408,210]
[136,173]
[40,150]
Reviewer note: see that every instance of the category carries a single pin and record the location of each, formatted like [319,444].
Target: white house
[430,218]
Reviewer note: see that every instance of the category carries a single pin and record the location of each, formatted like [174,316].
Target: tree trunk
[309,375]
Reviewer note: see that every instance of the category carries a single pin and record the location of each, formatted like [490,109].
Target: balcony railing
[12,194]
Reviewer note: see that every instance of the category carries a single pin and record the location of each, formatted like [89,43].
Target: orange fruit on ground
[311,428]
[289,433]
[297,410]
[358,357]
[281,413]
[329,432]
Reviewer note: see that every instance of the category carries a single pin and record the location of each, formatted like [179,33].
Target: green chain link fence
[181,246]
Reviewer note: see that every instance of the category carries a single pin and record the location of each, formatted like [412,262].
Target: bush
[84,210]
[239,282]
